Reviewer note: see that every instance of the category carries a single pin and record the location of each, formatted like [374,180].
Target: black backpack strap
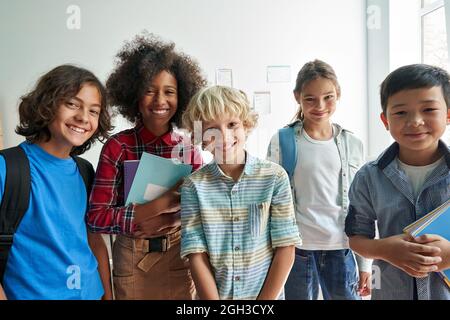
[15,199]
[87,173]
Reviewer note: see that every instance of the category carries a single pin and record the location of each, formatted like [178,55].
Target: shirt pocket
[258,218]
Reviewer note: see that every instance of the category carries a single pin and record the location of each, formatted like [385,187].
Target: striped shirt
[107,210]
[238,224]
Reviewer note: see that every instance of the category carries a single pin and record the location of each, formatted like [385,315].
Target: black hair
[138,62]
[415,76]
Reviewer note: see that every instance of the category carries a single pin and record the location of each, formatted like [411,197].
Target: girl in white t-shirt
[321,161]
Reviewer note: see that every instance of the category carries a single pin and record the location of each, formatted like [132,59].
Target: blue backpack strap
[15,200]
[288,149]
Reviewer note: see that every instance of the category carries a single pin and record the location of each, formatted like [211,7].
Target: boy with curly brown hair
[51,254]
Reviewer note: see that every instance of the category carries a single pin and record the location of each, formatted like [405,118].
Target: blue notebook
[154,176]
[436,222]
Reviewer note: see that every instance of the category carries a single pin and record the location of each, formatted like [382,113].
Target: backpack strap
[15,199]
[288,149]
[87,173]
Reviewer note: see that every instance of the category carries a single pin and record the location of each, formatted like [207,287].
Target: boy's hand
[108,295]
[416,259]
[439,242]
[365,284]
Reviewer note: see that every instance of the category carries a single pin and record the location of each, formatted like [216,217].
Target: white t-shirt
[321,220]
[418,175]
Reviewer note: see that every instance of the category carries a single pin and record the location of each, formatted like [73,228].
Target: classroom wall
[244,35]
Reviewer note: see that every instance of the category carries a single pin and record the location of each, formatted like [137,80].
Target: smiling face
[75,122]
[417,119]
[318,100]
[225,138]
[159,103]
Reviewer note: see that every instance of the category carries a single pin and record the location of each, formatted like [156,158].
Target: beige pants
[142,275]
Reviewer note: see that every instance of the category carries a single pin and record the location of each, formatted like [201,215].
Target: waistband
[158,244]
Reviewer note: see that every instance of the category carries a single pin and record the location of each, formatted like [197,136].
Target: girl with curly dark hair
[151,87]
[60,118]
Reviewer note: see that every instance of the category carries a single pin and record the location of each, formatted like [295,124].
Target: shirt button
[237,278]
[343,174]
[236,219]
[233,192]
[236,248]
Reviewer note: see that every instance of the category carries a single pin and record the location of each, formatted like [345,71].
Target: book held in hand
[154,176]
[436,222]
[129,172]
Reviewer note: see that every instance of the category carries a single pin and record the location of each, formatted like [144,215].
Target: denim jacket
[382,195]
[351,153]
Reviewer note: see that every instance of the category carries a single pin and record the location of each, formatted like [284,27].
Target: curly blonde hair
[212,102]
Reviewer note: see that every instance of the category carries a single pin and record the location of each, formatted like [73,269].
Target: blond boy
[237,216]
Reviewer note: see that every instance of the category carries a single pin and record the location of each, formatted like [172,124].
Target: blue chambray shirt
[381,193]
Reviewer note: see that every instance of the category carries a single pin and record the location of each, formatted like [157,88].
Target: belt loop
[145,245]
[165,244]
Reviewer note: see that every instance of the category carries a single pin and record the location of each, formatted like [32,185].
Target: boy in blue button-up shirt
[410,179]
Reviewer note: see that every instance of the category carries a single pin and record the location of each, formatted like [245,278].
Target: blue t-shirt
[50,257]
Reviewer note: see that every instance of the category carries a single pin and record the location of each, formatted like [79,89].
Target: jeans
[335,271]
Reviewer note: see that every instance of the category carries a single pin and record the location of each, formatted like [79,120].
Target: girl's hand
[417,260]
[157,226]
[168,202]
[438,242]
[365,284]
[172,197]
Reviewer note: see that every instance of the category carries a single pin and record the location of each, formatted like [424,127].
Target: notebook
[435,222]
[129,171]
[154,176]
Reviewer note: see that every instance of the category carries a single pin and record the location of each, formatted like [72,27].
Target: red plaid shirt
[107,211]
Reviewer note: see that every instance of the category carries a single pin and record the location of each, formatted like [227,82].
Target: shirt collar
[249,167]
[170,138]
[392,152]
[298,126]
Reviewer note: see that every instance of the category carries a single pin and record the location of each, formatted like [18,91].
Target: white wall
[245,35]
[405,33]
[378,60]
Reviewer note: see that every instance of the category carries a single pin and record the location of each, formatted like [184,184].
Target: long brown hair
[312,71]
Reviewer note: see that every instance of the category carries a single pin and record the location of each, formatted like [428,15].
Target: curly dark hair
[138,62]
[38,108]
